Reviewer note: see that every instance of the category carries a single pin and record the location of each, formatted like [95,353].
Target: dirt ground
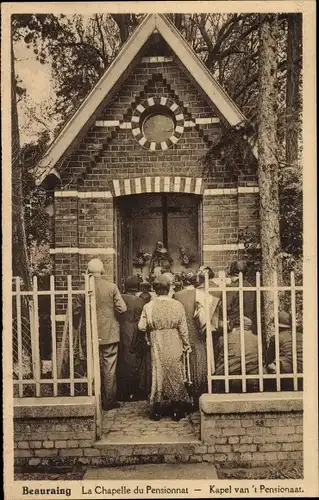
[49,476]
[293,471]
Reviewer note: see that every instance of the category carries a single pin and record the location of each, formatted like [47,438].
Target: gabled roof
[81,118]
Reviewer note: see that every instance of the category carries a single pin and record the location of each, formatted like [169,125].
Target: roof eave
[74,126]
[198,70]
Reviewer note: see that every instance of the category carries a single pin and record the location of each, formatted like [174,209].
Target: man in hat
[109,303]
[285,351]
[249,298]
[234,357]
[131,348]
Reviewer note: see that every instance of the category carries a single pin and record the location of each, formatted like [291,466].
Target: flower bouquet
[141,258]
[186,258]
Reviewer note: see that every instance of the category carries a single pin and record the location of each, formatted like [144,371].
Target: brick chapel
[128,167]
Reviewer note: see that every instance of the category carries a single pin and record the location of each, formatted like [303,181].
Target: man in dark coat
[188,297]
[132,349]
[249,298]
[108,303]
[285,351]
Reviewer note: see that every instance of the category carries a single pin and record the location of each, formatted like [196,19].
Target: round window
[158,127]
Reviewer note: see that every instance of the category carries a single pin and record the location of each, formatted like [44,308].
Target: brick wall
[251,430]
[238,430]
[47,434]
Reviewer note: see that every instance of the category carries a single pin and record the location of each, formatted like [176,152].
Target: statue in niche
[160,258]
[185,258]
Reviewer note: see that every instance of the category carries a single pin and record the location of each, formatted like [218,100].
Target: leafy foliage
[36,201]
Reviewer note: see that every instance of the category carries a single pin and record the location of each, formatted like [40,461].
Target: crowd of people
[146,334]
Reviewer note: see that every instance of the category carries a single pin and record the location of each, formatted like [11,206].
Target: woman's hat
[170,277]
[247,323]
[284,319]
[95,266]
[239,266]
[163,280]
[132,283]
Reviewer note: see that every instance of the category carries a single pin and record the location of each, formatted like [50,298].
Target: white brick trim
[140,108]
[225,191]
[163,101]
[136,131]
[177,184]
[227,247]
[206,121]
[107,123]
[148,183]
[66,194]
[248,189]
[218,192]
[156,59]
[83,194]
[117,189]
[189,124]
[126,125]
[157,186]
[166,184]
[127,186]
[188,185]
[138,186]
[179,129]
[83,251]
[198,185]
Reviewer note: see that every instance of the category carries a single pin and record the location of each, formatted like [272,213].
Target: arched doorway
[144,219]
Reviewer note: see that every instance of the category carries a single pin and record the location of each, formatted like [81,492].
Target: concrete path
[153,471]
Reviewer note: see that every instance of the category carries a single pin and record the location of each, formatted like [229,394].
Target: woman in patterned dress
[164,321]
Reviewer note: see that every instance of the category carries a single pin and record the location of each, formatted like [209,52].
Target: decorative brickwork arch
[165,105]
[159,184]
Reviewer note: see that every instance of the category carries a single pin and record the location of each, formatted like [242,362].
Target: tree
[20,261]
[268,163]
[293,98]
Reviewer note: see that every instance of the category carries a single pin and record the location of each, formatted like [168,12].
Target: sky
[36,78]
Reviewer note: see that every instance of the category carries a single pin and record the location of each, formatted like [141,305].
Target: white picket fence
[28,367]
[223,286]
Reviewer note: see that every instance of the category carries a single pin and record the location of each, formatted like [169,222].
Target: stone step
[153,471]
[128,453]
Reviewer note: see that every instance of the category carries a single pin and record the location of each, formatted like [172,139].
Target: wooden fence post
[35,338]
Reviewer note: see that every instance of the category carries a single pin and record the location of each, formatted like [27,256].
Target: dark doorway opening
[142,220]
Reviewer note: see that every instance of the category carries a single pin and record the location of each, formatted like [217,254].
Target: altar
[144,220]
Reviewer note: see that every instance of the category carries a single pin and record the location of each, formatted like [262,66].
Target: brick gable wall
[111,152]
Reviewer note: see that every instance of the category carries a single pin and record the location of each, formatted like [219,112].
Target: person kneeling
[234,357]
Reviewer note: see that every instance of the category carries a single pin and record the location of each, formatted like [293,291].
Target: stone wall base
[237,430]
[252,430]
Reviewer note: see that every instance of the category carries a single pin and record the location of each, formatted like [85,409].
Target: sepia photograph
[159,221]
